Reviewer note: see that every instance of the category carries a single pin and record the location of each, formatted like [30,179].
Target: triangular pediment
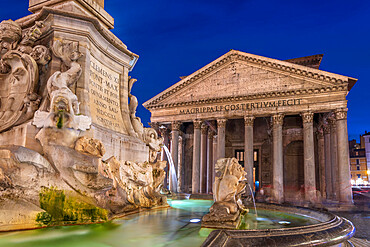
[239,74]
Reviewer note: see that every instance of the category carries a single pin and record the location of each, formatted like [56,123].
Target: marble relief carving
[19,72]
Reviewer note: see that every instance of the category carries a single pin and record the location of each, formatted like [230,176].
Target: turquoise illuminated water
[176,226]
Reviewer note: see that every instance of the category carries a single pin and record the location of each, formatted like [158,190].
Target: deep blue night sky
[176,38]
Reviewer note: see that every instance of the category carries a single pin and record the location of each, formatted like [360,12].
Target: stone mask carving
[19,72]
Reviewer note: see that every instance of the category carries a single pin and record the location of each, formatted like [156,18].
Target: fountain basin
[329,230]
[180,226]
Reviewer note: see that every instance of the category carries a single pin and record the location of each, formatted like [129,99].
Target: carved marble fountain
[72,148]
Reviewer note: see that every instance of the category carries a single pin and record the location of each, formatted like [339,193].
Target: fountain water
[254,201]
[172,170]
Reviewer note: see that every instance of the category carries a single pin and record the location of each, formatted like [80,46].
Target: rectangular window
[358,167]
[357,161]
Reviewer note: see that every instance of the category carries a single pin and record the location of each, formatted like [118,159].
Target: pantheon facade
[285,121]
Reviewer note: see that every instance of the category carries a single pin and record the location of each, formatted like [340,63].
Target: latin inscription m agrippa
[241,106]
[104,96]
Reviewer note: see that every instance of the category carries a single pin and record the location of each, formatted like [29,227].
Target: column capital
[176,125]
[307,117]
[204,128]
[221,122]
[326,129]
[197,124]
[332,122]
[210,133]
[341,113]
[277,119]
[249,120]
[163,130]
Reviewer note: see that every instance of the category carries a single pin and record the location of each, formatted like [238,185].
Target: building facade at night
[285,121]
[359,160]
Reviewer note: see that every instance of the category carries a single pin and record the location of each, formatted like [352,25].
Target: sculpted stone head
[10,35]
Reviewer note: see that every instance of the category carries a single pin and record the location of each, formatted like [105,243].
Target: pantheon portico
[285,121]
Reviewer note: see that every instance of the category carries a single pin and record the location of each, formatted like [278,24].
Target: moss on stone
[61,209]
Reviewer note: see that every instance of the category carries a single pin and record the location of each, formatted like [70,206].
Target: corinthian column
[248,148]
[277,158]
[321,153]
[309,157]
[203,158]
[174,153]
[221,126]
[328,170]
[334,157]
[210,163]
[344,175]
[196,157]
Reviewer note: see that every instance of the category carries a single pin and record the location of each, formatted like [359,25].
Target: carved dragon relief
[19,72]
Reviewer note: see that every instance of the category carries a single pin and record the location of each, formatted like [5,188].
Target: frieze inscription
[104,96]
[241,106]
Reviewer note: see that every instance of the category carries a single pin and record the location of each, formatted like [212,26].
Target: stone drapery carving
[19,72]
[229,184]
[64,106]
